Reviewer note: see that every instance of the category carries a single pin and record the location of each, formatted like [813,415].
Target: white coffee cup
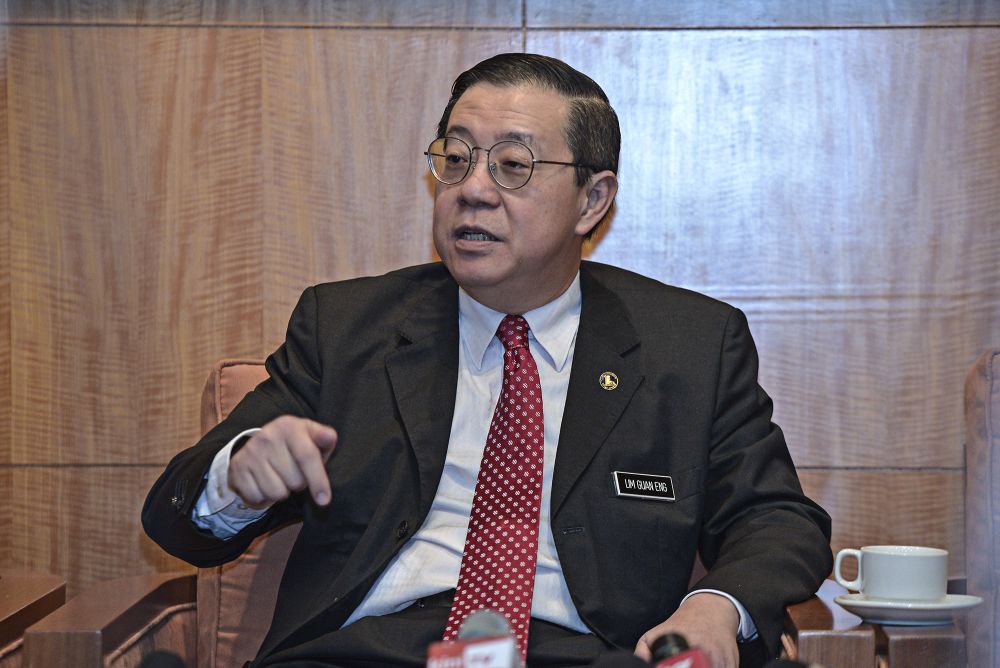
[897,572]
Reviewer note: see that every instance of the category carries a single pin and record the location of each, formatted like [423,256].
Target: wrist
[715,607]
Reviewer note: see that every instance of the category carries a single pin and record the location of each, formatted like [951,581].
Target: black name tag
[644,486]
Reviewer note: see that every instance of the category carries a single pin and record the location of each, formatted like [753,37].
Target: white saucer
[905,613]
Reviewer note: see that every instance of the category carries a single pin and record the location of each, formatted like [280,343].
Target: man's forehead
[525,113]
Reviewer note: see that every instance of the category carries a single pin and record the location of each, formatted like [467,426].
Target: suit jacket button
[402,530]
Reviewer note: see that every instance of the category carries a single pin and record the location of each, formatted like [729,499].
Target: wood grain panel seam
[524,26]
[804,27]
[6,276]
[851,293]
[861,27]
[884,469]
[83,465]
[277,26]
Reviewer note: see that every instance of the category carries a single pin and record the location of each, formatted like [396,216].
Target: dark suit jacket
[377,358]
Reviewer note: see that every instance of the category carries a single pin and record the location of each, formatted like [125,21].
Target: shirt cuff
[219,509]
[747,630]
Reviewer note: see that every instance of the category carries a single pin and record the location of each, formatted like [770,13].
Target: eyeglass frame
[490,166]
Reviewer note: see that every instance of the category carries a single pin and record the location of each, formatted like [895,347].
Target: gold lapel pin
[608,381]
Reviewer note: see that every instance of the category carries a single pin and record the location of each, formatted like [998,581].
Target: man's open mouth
[476,235]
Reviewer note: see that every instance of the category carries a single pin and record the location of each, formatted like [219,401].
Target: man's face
[512,250]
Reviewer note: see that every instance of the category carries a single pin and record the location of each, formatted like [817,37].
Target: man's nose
[479,188]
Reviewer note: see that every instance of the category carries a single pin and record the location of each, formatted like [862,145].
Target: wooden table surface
[26,597]
[824,633]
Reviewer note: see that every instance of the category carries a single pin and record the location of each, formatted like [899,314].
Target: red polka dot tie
[498,564]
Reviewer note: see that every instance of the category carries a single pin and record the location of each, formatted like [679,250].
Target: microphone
[484,624]
[671,650]
[484,641]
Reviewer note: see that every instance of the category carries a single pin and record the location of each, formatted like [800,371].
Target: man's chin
[479,282]
[472,269]
[473,281]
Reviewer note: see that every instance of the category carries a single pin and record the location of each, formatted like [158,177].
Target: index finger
[310,448]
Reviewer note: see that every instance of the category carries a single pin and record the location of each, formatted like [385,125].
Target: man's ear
[599,194]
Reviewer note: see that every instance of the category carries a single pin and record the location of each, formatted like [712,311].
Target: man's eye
[514,165]
[455,158]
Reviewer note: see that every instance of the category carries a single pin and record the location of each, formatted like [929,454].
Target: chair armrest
[96,623]
[820,631]
[24,599]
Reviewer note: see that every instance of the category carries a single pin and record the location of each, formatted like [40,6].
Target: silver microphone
[484,624]
[484,640]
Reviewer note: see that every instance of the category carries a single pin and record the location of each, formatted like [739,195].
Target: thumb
[642,650]
[324,437]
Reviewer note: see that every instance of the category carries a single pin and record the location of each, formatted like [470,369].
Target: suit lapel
[423,372]
[603,343]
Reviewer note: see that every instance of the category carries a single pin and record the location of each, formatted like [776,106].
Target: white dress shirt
[429,562]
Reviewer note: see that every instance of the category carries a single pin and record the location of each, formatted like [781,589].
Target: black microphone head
[619,659]
[668,645]
[484,624]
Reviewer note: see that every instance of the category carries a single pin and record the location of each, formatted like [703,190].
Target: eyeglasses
[511,163]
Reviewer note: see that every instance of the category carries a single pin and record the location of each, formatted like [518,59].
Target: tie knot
[513,332]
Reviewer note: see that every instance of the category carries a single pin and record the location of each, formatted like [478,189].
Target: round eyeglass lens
[511,163]
[449,159]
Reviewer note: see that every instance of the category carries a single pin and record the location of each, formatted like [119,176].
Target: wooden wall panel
[174,174]
[5,351]
[884,391]
[348,116]
[833,184]
[71,269]
[643,14]
[7,553]
[135,208]
[83,523]
[878,507]
[132,12]
[646,14]
[199,258]
[6,473]
[6,518]
[436,13]
[451,13]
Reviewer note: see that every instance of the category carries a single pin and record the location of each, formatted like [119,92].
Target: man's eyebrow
[458,130]
[523,137]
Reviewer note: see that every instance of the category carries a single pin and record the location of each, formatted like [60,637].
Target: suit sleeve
[763,541]
[292,388]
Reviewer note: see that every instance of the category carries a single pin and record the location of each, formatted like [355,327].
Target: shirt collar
[552,326]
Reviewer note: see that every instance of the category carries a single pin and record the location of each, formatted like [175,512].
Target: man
[611,430]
